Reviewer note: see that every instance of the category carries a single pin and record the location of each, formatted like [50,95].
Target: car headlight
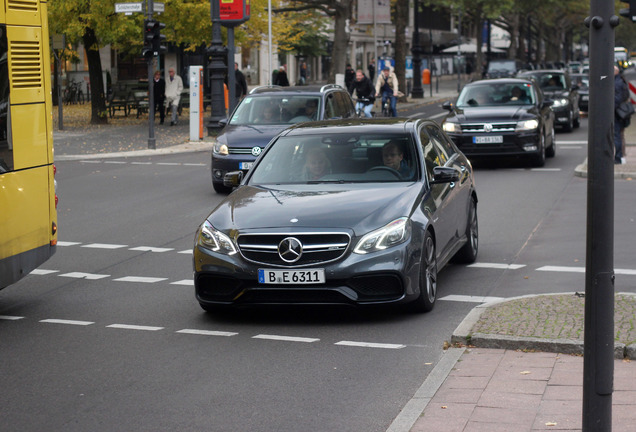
[452,127]
[220,149]
[214,240]
[390,235]
[527,125]
[560,103]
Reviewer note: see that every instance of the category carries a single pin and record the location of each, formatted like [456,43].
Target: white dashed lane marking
[185,282]
[139,279]
[207,332]
[10,318]
[104,246]
[134,327]
[564,269]
[370,345]
[285,338]
[80,275]
[151,249]
[470,299]
[497,266]
[69,322]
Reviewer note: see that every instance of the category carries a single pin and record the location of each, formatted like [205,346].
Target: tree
[340,11]
[94,24]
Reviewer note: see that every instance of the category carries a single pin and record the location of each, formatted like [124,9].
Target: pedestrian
[174,86]
[281,77]
[387,86]
[240,83]
[365,92]
[159,94]
[303,73]
[621,94]
[350,75]
[371,69]
[469,70]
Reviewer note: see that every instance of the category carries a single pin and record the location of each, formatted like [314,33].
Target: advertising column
[196,103]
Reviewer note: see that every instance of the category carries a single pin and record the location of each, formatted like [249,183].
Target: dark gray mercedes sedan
[355,212]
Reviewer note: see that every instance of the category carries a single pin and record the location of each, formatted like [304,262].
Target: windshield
[276,110]
[496,94]
[508,66]
[583,81]
[550,81]
[338,158]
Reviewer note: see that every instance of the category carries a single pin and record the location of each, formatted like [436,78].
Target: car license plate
[245,165]
[296,277]
[584,98]
[494,139]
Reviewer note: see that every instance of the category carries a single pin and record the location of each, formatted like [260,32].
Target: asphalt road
[108,336]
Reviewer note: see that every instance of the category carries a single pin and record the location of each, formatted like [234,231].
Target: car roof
[500,81]
[306,90]
[362,125]
[551,71]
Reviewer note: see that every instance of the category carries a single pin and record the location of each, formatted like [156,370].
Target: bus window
[6,147]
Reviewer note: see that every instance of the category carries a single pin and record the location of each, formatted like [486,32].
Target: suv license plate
[245,165]
[296,277]
[494,139]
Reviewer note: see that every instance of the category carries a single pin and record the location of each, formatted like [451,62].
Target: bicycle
[386,107]
[361,104]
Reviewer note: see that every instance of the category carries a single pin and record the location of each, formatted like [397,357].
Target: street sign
[158,7]
[234,12]
[128,8]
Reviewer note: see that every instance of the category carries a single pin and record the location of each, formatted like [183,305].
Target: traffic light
[631,11]
[153,38]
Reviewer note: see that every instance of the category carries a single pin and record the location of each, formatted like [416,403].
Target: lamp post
[416,92]
[217,69]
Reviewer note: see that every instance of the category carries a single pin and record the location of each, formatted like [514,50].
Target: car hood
[360,208]
[495,113]
[248,136]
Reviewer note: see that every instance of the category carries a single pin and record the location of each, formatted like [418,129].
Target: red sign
[235,11]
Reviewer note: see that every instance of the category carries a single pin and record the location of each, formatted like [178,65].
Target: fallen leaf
[525,372]
[444,407]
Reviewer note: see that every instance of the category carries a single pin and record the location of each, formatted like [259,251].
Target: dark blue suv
[265,112]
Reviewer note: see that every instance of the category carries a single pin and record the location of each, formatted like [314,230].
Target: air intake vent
[26,64]
[23,5]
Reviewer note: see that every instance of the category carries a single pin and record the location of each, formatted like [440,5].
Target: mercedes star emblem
[290,249]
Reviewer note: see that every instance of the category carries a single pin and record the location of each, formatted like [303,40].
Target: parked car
[264,113]
[502,117]
[503,68]
[583,83]
[352,212]
[557,85]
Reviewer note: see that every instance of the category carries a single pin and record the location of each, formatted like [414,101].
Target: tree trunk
[340,40]
[98,99]
[401,22]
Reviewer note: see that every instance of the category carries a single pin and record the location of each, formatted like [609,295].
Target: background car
[557,85]
[392,201]
[489,120]
[264,113]
[583,82]
[502,68]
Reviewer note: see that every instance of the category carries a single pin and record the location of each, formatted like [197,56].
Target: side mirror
[448,105]
[223,122]
[233,179]
[444,175]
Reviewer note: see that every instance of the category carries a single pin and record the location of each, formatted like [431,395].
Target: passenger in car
[267,116]
[317,164]
[393,157]
[517,95]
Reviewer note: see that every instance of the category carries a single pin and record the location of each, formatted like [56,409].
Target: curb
[581,171]
[462,335]
[190,147]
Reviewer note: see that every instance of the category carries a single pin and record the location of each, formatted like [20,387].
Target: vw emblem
[290,249]
[487,127]
[257,150]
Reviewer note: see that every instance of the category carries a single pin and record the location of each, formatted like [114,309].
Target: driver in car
[393,157]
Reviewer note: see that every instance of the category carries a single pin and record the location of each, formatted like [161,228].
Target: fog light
[530,147]
[218,174]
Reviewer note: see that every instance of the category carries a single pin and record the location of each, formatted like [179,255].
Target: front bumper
[384,277]
[222,164]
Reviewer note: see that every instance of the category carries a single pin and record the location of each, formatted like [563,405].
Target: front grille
[499,127]
[317,248]
[240,151]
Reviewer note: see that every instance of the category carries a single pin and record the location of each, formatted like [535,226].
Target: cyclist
[387,86]
[365,93]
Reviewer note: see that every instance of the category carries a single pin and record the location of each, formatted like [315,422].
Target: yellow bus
[28,215]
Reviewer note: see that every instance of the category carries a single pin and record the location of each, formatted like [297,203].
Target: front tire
[425,302]
[538,160]
[551,151]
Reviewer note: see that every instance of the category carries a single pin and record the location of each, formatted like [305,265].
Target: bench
[119,101]
[139,101]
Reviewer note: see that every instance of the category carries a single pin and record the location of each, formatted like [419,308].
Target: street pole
[152,144]
[231,74]
[598,351]
[459,52]
[216,69]
[416,92]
